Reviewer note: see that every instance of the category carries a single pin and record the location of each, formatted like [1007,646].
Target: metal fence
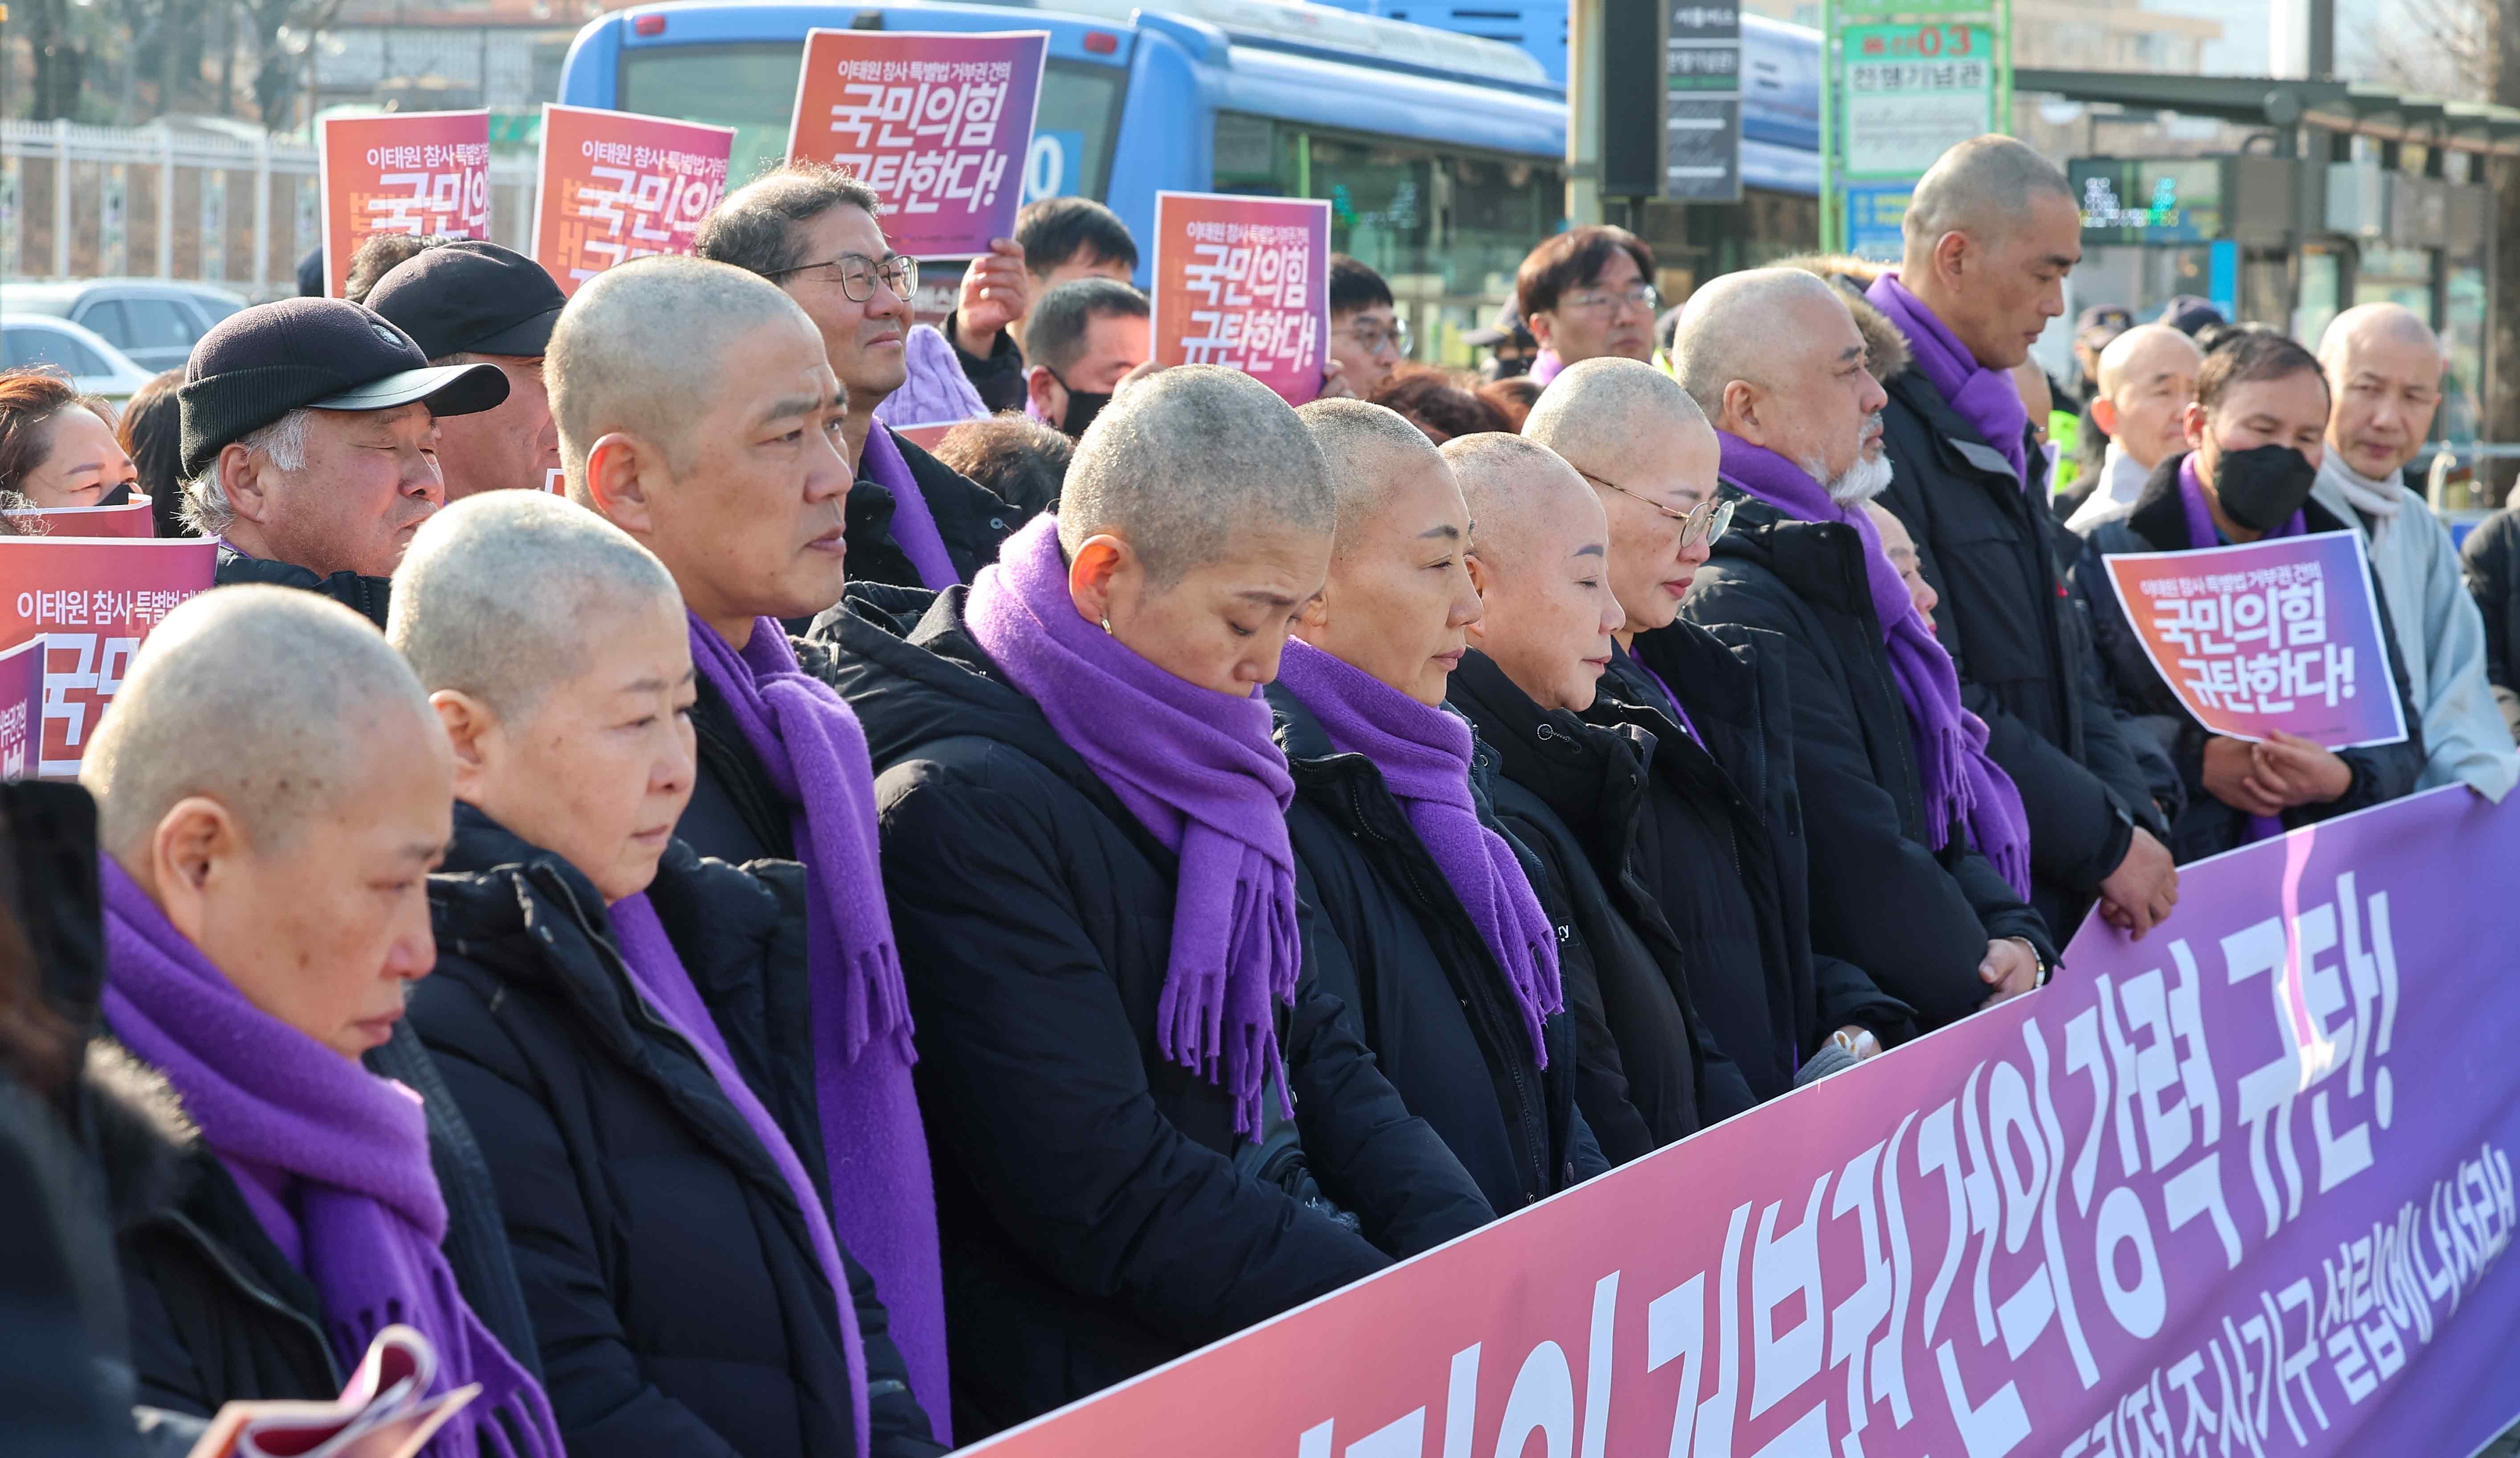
[93,201]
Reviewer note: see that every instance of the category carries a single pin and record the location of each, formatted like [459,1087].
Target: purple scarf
[1199,770]
[2201,533]
[1986,398]
[1951,763]
[1424,756]
[914,527]
[352,1145]
[1546,365]
[657,968]
[883,1198]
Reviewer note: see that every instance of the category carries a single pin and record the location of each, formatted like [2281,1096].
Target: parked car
[96,367]
[153,321]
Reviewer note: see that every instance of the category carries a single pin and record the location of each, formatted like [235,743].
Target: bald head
[1523,497]
[2145,353]
[1541,554]
[1367,448]
[1757,326]
[1181,462]
[2366,325]
[1992,230]
[2387,367]
[1651,458]
[1601,414]
[1982,187]
[641,347]
[502,594]
[271,701]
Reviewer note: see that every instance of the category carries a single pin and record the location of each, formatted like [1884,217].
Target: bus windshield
[751,86]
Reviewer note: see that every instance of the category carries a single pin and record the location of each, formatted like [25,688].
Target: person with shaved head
[2386,366]
[1432,932]
[272,793]
[1086,849]
[1919,854]
[1716,842]
[2147,376]
[1991,234]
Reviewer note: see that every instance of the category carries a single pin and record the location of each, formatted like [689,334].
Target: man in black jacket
[309,445]
[1991,235]
[1058,240]
[811,230]
[2492,563]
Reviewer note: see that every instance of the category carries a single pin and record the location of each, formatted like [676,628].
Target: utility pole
[1584,62]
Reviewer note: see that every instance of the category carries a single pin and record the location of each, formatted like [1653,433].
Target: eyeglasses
[899,273]
[1644,295]
[1371,337]
[1704,522]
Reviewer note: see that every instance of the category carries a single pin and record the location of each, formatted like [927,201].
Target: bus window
[751,86]
[1445,227]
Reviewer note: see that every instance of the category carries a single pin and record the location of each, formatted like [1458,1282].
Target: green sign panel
[1914,91]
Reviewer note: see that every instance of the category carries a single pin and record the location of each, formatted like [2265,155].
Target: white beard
[1867,478]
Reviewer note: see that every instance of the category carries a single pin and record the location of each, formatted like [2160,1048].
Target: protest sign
[938,125]
[617,186]
[926,437]
[21,707]
[2282,633]
[131,519]
[1245,283]
[417,172]
[2239,1188]
[93,600]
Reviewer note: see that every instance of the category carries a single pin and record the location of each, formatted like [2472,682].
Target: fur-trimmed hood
[1885,348]
[136,1131]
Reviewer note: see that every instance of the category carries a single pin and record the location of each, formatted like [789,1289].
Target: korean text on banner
[21,708]
[2240,1188]
[1245,283]
[93,600]
[939,126]
[2282,633]
[417,172]
[617,186]
[131,519]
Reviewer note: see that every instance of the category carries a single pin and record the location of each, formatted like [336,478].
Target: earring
[1107,625]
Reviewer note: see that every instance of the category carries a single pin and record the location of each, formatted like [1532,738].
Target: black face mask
[1082,407]
[120,496]
[2261,487]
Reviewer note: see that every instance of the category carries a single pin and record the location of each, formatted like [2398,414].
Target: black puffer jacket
[365,595]
[1648,1072]
[672,1282]
[1916,919]
[1420,986]
[999,377]
[1996,555]
[2492,560]
[1100,1214]
[2207,825]
[972,518]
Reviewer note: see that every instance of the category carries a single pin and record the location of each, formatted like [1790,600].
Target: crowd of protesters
[761,938]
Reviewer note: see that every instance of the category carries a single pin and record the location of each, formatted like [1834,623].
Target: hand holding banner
[416,172]
[615,186]
[1245,283]
[92,600]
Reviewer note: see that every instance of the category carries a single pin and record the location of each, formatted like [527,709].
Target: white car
[153,321]
[96,367]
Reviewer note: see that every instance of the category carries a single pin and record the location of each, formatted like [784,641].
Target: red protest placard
[1245,283]
[132,518]
[417,172]
[615,186]
[938,125]
[21,707]
[93,600]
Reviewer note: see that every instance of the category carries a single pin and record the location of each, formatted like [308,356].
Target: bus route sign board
[1913,92]
[1702,101]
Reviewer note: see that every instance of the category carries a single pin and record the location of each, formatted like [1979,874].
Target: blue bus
[1443,154]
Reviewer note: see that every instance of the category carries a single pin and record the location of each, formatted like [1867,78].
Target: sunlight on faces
[81,461]
[1901,549]
[2148,378]
[1539,557]
[1674,464]
[2290,412]
[1221,625]
[1364,369]
[1400,597]
[1617,325]
[1992,230]
[511,446]
[370,479]
[2389,373]
[865,340]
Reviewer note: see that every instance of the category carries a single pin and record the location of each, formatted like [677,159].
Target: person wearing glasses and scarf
[1585,294]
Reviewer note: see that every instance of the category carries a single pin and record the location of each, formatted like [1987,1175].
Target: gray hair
[205,507]
[1512,484]
[1980,187]
[1179,463]
[262,698]
[1728,329]
[1590,412]
[639,350]
[501,593]
[1054,334]
[1362,443]
[754,229]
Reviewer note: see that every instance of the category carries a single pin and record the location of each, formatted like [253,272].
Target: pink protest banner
[417,172]
[1245,283]
[21,708]
[2282,633]
[2241,1189]
[938,125]
[615,186]
[93,600]
[926,437]
[131,519]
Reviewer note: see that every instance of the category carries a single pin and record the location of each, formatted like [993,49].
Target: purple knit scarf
[914,527]
[354,1146]
[883,1197]
[658,970]
[2201,533]
[1951,763]
[1424,756]
[1199,770]
[1986,398]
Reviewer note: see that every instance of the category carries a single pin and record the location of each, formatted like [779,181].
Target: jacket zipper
[246,1283]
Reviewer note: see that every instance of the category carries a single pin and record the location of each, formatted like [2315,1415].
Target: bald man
[2148,376]
[2386,367]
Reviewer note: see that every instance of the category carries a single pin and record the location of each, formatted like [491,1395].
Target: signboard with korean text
[1245,283]
[940,125]
[21,708]
[416,172]
[93,600]
[1702,101]
[2282,633]
[1914,91]
[132,518]
[617,186]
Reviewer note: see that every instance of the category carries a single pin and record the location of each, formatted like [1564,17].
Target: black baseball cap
[1509,325]
[471,295]
[260,364]
[2187,314]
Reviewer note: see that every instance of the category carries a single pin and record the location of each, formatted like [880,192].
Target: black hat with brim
[470,296]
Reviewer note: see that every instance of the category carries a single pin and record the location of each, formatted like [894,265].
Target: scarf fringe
[876,1005]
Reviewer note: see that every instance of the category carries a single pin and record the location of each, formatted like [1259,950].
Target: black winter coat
[972,518]
[1100,1213]
[1917,920]
[2207,825]
[2492,560]
[1420,986]
[1648,1072]
[365,595]
[671,1279]
[999,377]
[1996,554]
